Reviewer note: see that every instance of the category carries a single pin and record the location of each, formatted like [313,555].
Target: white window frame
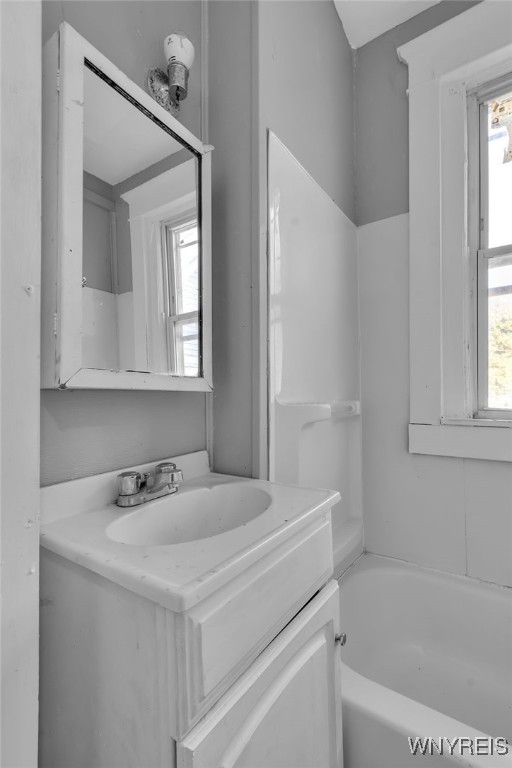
[479,247]
[445,65]
[172,287]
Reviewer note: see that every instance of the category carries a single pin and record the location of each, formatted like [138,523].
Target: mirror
[141,252]
[126,212]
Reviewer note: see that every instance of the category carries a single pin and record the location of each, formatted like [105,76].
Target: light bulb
[177,47]
[179,53]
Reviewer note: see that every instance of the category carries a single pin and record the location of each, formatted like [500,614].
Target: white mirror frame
[62,295]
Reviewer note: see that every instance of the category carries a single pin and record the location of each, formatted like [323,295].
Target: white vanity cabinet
[285,711]
[112,686]
[210,653]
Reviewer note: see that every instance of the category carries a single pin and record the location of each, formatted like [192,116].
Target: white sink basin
[189,516]
[179,550]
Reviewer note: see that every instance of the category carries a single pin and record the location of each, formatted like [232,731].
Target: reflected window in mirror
[141,250]
[181,263]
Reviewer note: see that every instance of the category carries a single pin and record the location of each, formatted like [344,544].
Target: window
[460,272]
[171,317]
[180,249]
[494,358]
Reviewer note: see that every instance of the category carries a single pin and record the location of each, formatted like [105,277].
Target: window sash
[171,231]
[176,342]
[500,256]
[479,236]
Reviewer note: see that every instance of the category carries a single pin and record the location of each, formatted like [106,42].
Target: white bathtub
[428,655]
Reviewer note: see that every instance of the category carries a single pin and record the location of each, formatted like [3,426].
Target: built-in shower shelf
[301,414]
[290,419]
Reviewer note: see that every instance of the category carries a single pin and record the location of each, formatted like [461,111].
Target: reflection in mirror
[141,247]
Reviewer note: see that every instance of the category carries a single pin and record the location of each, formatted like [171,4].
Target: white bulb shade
[178,48]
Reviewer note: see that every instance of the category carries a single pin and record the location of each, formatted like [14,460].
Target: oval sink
[190,516]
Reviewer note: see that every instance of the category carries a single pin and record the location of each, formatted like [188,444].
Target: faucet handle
[165,466]
[168,472]
[129,483]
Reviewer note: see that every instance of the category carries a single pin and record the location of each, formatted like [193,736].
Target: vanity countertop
[75,517]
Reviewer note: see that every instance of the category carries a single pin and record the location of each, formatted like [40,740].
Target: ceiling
[119,140]
[363,20]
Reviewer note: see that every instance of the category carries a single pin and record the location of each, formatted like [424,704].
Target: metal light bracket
[171,88]
[158,86]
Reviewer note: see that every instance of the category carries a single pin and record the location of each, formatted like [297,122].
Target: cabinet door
[285,711]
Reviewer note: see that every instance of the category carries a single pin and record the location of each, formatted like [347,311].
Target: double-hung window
[180,251]
[460,235]
[494,249]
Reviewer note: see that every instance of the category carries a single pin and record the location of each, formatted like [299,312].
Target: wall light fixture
[171,88]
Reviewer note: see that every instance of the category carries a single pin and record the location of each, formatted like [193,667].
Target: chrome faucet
[136,488]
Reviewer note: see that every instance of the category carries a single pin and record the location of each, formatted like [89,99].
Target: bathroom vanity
[197,630]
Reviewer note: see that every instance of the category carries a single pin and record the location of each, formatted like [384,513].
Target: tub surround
[314,425]
[447,513]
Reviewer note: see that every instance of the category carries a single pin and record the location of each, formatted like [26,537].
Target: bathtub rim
[367,560]
[381,703]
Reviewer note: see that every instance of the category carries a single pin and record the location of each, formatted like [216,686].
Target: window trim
[445,65]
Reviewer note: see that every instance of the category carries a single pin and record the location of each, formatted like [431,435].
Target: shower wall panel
[314,387]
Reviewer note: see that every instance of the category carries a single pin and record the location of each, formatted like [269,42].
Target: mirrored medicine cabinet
[126,275]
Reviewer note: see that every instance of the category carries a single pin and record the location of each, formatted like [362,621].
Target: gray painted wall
[83,433]
[97,251]
[130,33]
[262,83]
[87,432]
[308,102]
[257,80]
[231,126]
[381,116]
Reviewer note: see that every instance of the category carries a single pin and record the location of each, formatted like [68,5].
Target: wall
[447,513]
[255,57]
[97,253]
[231,131]
[381,116]
[306,91]
[20,243]
[310,110]
[87,432]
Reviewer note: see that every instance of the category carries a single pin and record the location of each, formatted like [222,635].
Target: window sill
[466,439]
[479,421]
